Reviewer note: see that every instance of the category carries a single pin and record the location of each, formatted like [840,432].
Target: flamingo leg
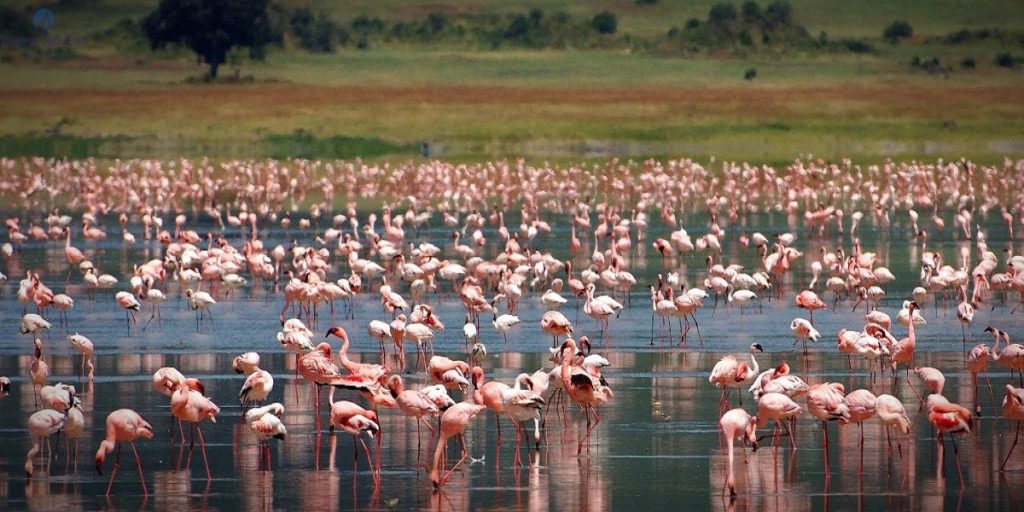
[1016,436]
[824,445]
[956,454]
[202,446]
[138,464]
[113,472]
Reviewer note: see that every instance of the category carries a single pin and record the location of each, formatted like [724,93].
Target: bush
[1004,60]
[692,23]
[751,12]
[967,63]
[605,22]
[646,2]
[750,74]
[857,45]
[897,30]
[315,33]
[722,15]
[779,13]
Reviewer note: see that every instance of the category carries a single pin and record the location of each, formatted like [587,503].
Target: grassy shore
[557,105]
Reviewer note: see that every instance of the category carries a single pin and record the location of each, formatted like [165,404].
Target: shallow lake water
[657,446]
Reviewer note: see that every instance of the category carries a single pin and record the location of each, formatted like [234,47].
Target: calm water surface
[656,447]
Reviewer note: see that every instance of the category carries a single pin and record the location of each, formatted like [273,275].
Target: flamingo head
[757,347]
[337,331]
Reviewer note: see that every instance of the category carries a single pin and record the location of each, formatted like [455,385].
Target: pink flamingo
[123,426]
[862,405]
[190,405]
[453,423]
[42,424]
[903,350]
[369,370]
[825,402]
[523,405]
[266,423]
[737,423]
[414,404]
[1013,409]
[891,413]
[946,416]
[778,407]
[977,362]
[1011,356]
[355,420]
[810,301]
[583,388]
[489,395]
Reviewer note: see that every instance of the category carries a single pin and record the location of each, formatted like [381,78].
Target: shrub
[967,63]
[750,74]
[605,22]
[898,30]
[1004,60]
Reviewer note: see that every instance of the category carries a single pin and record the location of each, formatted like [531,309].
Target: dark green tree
[210,27]
[897,30]
[605,22]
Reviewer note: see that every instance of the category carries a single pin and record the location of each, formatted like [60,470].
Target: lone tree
[209,27]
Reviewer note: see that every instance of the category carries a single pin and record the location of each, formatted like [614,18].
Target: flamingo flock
[214,246]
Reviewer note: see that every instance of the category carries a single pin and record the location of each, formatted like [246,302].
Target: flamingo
[123,426]
[33,323]
[489,394]
[583,388]
[266,423]
[42,424]
[891,413]
[414,404]
[737,423]
[130,304]
[246,363]
[862,405]
[810,301]
[190,405]
[730,373]
[504,324]
[454,422]
[84,347]
[947,417]
[355,420]
[803,331]
[778,407]
[977,362]
[200,302]
[825,401]
[1011,356]
[1013,410]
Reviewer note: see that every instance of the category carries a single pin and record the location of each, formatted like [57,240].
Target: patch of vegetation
[15,23]
[965,36]
[744,29]
[1008,60]
[316,33]
[932,66]
[605,22]
[303,144]
[898,30]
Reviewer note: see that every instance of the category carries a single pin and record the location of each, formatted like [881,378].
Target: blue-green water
[656,447]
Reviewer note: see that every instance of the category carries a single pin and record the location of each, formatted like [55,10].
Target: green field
[110,99]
